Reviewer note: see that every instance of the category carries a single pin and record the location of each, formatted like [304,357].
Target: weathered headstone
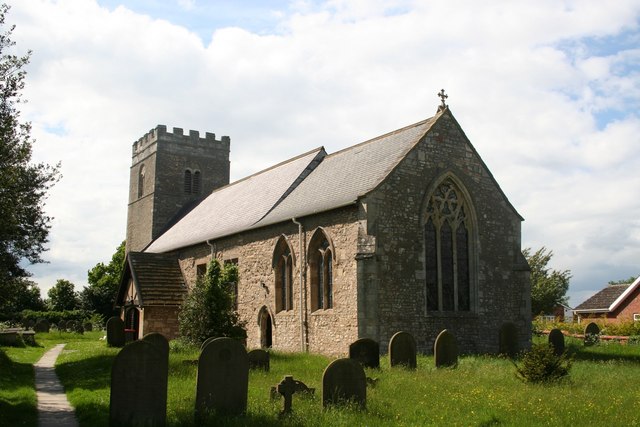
[138,386]
[508,340]
[29,323]
[445,350]
[259,359]
[366,351]
[115,332]
[591,334]
[78,328]
[223,378]
[402,350]
[207,341]
[556,339]
[344,380]
[62,325]
[88,327]
[42,325]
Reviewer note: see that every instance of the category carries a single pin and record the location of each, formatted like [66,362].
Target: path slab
[53,407]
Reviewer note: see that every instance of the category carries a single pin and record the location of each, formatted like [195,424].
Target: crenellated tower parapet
[170,172]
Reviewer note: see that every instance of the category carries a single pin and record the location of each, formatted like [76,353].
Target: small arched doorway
[132,323]
[266,328]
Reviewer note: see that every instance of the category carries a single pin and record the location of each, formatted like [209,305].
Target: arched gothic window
[141,174]
[283,269]
[192,181]
[320,256]
[447,226]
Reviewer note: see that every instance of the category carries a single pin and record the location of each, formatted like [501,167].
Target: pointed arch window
[283,268]
[447,226]
[321,257]
[141,174]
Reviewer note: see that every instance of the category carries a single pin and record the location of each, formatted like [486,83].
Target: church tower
[170,173]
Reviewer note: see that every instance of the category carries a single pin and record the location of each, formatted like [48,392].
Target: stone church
[408,231]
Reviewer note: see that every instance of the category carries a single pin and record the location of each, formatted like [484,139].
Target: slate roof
[603,300]
[157,278]
[310,183]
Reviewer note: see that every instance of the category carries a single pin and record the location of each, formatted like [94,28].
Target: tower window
[192,181]
[141,174]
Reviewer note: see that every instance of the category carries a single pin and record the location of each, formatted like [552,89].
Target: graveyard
[477,390]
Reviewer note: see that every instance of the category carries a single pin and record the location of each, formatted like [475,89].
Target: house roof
[157,278]
[609,298]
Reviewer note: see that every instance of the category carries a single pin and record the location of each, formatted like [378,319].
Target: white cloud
[523,78]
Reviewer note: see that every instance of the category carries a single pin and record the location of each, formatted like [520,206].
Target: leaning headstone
[223,378]
[88,327]
[258,359]
[138,386]
[366,351]
[445,350]
[556,339]
[42,325]
[508,340]
[591,334]
[344,380]
[115,332]
[402,350]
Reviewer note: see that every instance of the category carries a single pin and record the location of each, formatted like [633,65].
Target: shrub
[540,365]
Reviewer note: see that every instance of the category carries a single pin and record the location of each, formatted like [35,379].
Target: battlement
[160,133]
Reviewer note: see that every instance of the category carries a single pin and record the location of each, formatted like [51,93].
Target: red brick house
[614,303]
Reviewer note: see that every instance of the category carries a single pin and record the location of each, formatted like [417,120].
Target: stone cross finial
[442,96]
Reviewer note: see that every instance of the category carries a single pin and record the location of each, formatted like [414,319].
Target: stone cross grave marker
[366,351]
[259,359]
[287,387]
[344,380]
[223,378]
[508,340]
[591,334]
[445,350]
[115,332]
[138,386]
[402,350]
[556,339]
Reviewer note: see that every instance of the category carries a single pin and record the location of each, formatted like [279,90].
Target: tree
[208,310]
[24,226]
[104,280]
[62,296]
[24,294]
[548,287]
[622,281]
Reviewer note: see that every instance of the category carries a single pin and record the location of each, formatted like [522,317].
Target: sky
[548,92]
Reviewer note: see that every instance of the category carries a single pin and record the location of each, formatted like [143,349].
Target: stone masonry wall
[501,291]
[162,319]
[327,331]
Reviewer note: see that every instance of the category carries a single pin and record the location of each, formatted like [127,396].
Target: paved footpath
[53,407]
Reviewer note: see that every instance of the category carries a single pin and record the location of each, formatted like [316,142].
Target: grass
[482,391]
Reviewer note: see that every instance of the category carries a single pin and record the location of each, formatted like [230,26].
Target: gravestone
[115,332]
[366,351]
[286,388]
[29,323]
[508,340]
[445,350]
[62,325]
[259,359]
[223,378]
[207,341]
[402,350]
[78,328]
[591,334]
[344,380]
[87,326]
[42,325]
[556,339]
[138,386]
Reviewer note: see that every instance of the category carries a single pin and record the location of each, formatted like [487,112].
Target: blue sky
[548,92]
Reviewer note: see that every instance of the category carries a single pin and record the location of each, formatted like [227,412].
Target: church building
[408,231]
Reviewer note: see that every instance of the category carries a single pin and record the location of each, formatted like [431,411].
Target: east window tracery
[447,226]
